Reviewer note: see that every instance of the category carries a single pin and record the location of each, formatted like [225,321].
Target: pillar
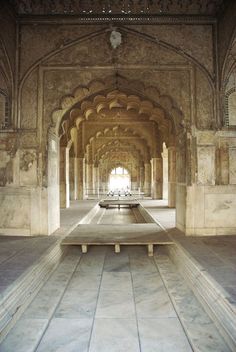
[64,178]
[80,166]
[157,178]
[73,178]
[147,179]
[171,177]
[165,172]
[96,180]
[90,186]
[141,178]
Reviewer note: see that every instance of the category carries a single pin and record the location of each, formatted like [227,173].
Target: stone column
[64,178]
[90,187]
[80,178]
[96,180]
[147,179]
[157,178]
[165,172]
[72,178]
[171,177]
[141,178]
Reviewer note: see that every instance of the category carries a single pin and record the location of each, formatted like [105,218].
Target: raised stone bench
[117,235]
[118,203]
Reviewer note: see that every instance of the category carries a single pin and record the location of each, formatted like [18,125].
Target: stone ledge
[214,298]
[17,295]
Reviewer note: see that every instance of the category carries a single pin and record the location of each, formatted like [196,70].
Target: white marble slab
[162,335]
[117,262]
[77,304]
[114,335]
[66,335]
[84,281]
[115,304]
[120,281]
[25,336]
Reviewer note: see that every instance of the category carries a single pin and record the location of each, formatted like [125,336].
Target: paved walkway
[102,301]
[19,253]
[216,254]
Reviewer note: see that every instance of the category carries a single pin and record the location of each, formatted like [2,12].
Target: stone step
[216,301]
[200,329]
[20,291]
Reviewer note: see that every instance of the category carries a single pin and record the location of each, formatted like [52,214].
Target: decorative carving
[27,160]
[125,7]
[115,39]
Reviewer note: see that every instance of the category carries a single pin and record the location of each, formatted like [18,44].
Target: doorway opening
[119,181]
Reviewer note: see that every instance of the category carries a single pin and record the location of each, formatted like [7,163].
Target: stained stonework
[163,7]
[82,103]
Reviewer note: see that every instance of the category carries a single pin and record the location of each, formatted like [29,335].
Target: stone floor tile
[114,335]
[117,262]
[162,335]
[115,304]
[148,280]
[66,335]
[77,304]
[120,281]
[25,336]
[91,263]
[153,303]
[84,281]
[142,264]
[44,304]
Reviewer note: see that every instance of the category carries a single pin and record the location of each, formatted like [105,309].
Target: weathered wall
[226,28]
[173,65]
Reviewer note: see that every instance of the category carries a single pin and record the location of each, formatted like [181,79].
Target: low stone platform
[106,203]
[117,235]
[25,264]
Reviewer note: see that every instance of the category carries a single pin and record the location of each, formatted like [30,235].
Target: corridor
[107,302]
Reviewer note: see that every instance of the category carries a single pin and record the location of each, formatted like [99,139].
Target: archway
[119,181]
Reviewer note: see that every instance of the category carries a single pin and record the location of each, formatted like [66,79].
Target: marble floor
[216,254]
[104,302]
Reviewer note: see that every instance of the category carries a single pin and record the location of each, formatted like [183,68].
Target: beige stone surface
[70,88]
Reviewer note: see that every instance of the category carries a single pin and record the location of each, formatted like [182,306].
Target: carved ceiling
[118,7]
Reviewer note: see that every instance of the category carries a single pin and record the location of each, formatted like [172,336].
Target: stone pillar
[165,172]
[73,178]
[141,178]
[147,179]
[171,177]
[157,178]
[96,180]
[90,186]
[64,178]
[80,177]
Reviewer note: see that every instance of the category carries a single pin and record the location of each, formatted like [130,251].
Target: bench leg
[84,248]
[150,250]
[117,248]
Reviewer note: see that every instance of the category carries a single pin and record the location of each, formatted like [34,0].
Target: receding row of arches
[117,131]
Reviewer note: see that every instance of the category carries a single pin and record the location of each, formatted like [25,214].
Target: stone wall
[170,66]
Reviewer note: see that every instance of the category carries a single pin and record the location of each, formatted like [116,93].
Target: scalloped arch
[122,93]
[115,132]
